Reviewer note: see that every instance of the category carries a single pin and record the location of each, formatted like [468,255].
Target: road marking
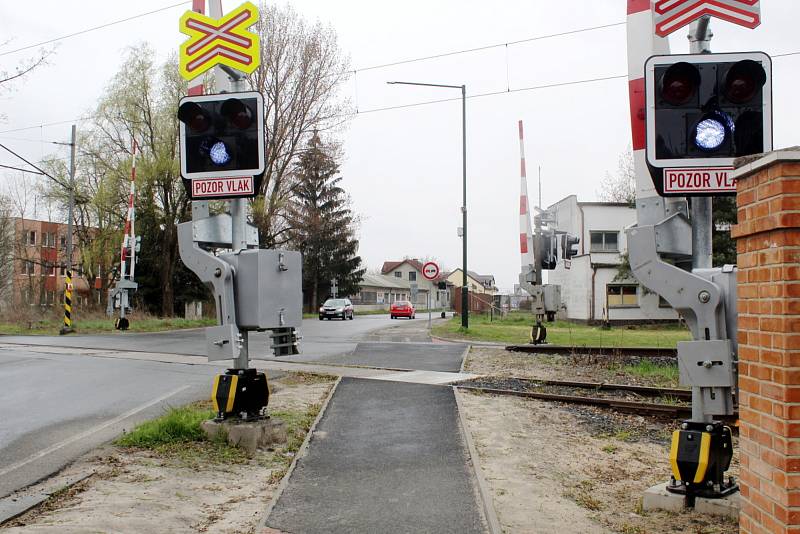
[89,432]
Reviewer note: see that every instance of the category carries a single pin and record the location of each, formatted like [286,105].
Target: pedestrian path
[386,457]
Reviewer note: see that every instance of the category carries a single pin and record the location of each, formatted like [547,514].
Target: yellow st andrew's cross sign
[223,41]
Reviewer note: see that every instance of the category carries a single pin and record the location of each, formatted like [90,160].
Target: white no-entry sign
[430,271]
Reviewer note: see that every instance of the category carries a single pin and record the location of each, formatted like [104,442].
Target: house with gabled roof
[410,271]
[478,283]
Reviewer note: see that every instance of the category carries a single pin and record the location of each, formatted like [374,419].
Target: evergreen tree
[322,227]
[723,216]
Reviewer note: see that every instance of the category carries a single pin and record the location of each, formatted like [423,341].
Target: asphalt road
[319,338]
[385,457]
[58,405]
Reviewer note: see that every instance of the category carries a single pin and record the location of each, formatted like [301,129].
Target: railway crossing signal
[703,111]
[222,135]
[569,246]
[548,250]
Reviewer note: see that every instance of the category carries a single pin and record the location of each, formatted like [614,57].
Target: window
[30,237]
[662,302]
[51,269]
[398,274]
[622,296]
[50,297]
[63,270]
[604,241]
[28,267]
[412,276]
[63,241]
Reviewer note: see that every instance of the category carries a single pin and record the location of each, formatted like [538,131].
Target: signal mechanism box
[268,286]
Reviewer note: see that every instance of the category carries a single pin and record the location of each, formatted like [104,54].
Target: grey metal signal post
[662,245]
[254,289]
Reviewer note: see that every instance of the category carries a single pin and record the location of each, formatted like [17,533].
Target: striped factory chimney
[525,230]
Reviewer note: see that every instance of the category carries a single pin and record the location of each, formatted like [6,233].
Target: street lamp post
[464,285]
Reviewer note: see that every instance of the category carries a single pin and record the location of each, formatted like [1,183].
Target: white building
[591,287]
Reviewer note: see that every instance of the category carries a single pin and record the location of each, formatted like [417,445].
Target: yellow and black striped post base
[240,393]
[700,455]
[67,328]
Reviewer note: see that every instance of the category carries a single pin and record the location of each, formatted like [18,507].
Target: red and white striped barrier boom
[525,229]
[642,43]
[129,235]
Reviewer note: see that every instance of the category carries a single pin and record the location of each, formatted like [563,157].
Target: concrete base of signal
[658,498]
[250,436]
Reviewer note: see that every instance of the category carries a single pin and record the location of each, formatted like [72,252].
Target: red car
[402,308]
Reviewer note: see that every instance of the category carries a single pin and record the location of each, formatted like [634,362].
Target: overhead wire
[87,30]
[370,67]
[42,172]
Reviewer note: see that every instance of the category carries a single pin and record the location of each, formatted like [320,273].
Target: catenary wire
[87,30]
[56,180]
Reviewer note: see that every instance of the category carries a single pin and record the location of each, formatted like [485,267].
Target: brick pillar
[768,245]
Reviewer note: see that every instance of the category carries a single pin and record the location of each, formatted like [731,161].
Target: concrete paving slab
[425,377]
[728,506]
[658,498]
[386,457]
[418,356]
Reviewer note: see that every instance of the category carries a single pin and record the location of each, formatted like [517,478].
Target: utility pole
[464,288]
[67,328]
[464,285]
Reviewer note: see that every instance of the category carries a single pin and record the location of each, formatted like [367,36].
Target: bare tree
[140,102]
[302,69]
[23,68]
[620,187]
[7,232]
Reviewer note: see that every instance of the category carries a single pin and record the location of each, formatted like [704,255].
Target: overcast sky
[403,167]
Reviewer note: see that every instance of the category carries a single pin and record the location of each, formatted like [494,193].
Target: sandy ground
[567,468]
[140,491]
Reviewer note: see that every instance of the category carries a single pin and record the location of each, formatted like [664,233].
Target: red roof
[389,266]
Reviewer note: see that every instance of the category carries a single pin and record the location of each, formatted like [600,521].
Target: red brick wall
[768,245]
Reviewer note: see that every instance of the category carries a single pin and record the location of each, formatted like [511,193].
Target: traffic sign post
[431,272]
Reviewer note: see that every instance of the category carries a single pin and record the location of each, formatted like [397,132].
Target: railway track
[644,352]
[674,403]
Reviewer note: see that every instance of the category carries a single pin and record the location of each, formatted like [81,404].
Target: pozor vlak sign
[703,112]
[235,186]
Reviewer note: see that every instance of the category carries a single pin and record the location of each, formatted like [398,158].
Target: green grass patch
[178,425]
[96,325]
[515,328]
[663,374]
